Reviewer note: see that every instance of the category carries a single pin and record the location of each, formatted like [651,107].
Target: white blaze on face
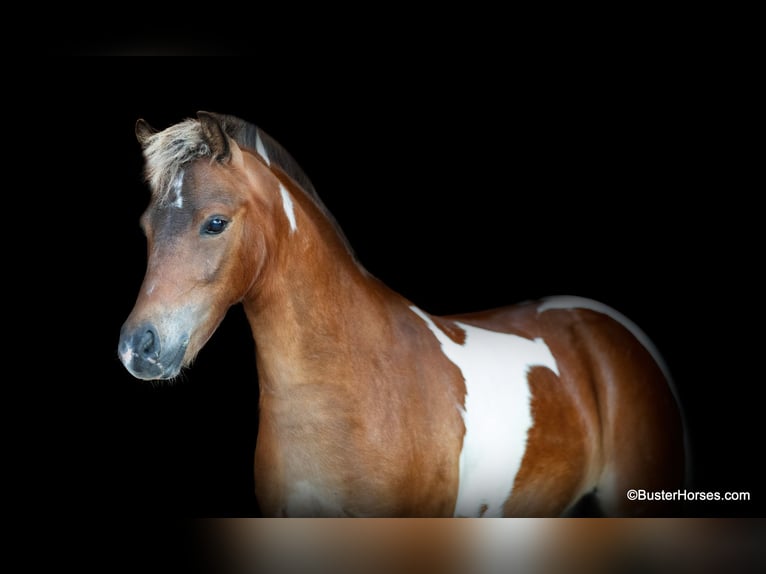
[176,186]
[496,413]
[287,204]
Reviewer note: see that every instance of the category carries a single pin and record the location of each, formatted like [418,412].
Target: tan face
[197,268]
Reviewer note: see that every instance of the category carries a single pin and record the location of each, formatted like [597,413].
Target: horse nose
[147,344]
[140,347]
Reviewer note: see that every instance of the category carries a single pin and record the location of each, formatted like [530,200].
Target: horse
[368,405]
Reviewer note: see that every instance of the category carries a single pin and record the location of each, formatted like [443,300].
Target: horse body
[369,406]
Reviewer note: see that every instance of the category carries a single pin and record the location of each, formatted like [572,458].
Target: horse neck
[316,306]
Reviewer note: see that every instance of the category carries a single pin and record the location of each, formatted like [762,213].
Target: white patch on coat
[287,204]
[259,147]
[497,411]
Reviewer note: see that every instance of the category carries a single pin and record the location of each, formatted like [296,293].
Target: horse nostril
[148,345]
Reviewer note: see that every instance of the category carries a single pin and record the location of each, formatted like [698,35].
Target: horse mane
[247,135]
[167,151]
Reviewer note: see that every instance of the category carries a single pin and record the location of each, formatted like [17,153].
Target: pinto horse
[369,405]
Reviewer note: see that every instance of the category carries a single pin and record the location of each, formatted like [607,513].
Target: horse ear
[143,130]
[214,135]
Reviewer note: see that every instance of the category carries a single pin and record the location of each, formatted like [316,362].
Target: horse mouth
[149,368]
[172,367]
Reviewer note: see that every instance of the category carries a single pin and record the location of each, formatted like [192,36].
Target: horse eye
[214,226]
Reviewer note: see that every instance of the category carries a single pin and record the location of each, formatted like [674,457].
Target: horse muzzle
[146,356]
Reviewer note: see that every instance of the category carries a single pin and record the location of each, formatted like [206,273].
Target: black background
[459,186]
